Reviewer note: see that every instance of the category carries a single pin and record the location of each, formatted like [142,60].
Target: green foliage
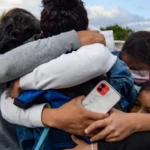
[120,33]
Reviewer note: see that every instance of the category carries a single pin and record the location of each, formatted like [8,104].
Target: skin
[73,122]
[115,126]
[79,118]
[115,129]
[141,106]
[133,64]
[90,37]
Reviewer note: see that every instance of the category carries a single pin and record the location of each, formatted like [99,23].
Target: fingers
[98,34]
[101,40]
[79,99]
[88,122]
[91,37]
[96,125]
[89,114]
[15,91]
[112,135]
[101,135]
[96,116]
[113,110]
[113,140]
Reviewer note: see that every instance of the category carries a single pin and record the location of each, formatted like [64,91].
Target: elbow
[6,110]
[5,114]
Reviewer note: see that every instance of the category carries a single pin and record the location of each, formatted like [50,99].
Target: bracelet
[92,146]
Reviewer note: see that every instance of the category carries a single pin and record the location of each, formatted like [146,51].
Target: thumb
[114,110]
[79,99]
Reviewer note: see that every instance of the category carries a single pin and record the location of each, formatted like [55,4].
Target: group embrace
[47,68]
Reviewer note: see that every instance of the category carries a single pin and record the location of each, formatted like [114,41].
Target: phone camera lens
[99,89]
[103,86]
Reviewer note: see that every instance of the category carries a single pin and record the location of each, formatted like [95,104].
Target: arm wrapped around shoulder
[70,69]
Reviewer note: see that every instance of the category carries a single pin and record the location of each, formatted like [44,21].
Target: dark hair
[17,26]
[63,15]
[137,46]
[145,86]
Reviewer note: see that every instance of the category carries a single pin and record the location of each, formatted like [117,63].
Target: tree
[120,33]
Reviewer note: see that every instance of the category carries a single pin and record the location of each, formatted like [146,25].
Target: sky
[134,14]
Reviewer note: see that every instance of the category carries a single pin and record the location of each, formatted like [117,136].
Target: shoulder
[93,47]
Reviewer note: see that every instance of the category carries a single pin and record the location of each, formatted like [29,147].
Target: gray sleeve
[24,59]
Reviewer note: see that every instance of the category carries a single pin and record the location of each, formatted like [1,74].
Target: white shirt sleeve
[70,69]
[30,117]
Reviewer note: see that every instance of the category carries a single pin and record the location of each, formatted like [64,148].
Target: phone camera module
[103,85]
[99,89]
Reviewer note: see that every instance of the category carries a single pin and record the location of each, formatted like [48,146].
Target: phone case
[102,98]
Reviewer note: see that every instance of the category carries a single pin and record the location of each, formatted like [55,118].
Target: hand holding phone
[102,98]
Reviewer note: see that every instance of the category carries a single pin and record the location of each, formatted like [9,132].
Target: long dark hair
[137,46]
[63,15]
[17,26]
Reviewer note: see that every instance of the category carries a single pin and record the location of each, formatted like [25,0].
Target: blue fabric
[42,138]
[122,80]
[119,77]
[55,98]
[56,139]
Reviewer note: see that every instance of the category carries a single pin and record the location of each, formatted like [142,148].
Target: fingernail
[86,131]
[91,140]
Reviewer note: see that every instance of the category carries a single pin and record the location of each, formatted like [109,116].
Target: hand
[91,37]
[16,90]
[71,117]
[117,126]
[81,145]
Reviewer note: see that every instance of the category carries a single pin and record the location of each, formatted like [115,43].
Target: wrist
[49,117]
[135,123]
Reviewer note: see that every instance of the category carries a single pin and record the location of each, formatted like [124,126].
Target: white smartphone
[102,98]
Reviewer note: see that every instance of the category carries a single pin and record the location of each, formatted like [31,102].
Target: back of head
[63,15]
[137,46]
[17,26]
